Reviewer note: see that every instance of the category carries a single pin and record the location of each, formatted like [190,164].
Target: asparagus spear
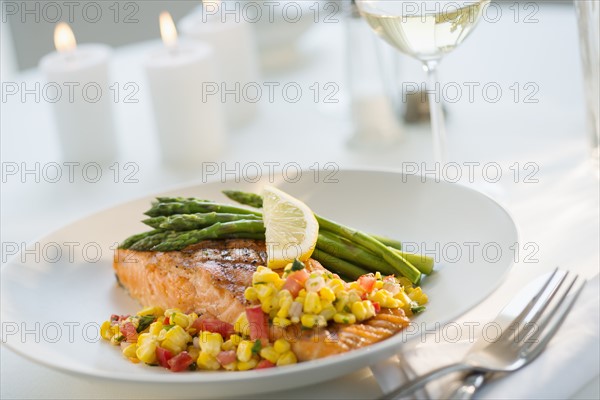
[342,267]
[193,207]
[127,243]
[188,222]
[346,250]
[398,262]
[255,200]
[235,229]
[148,242]
[178,199]
[422,262]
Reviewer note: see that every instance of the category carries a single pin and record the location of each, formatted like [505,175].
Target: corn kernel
[284,304]
[176,340]
[370,308]
[287,358]
[268,304]
[359,311]
[130,350]
[344,318]
[194,352]
[354,296]
[235,339]
[208,361]
[228,345]
[337,285]
[328,312]
[211,343]
[244,351]
[281,322]
[269,353]
[327,294]
[247,365]
[180,319]
[105,330]
[378,284]
[403,297]
[417,295]
[170,311]
[313,321]
[155,328]
[355,286]
[378,275]
[263,291]
[250,294]
[341,302]
[312,305]
[265,275]
[281,346]
[156,311]
[279,284]
[242,325]
[302,293]
[146,352]
[231,367]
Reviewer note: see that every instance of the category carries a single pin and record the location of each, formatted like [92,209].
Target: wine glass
[425,30]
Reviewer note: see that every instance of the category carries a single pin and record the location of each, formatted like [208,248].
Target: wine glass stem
[438,125]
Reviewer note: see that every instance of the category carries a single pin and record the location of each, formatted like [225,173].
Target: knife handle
[468,387]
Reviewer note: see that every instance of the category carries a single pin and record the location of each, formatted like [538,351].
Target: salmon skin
[210,278]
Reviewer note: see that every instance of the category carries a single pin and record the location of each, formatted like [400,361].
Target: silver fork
[524,339]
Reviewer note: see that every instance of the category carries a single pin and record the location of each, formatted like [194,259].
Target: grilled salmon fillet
[207,278]
[210,278]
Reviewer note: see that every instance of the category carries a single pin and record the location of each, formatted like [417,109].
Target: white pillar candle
[82,104]
[191,128]
[236,50]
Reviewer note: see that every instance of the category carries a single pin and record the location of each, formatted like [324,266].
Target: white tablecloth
[553,198]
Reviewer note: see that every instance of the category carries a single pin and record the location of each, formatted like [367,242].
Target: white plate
[52,303]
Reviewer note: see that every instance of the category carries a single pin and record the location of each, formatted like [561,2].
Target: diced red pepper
[180,362]
[226,357]
[264,364]
[129,331]
[163,356]
[376,306]
[300,276]
[259,326]
[167,321]
[293,286]
[367,282]
[214,325]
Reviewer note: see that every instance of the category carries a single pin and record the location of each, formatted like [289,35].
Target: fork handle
[468,386]
[417,383]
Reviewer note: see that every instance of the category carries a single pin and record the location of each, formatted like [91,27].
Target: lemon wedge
[291,228]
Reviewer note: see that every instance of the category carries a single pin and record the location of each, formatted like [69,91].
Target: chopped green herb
[257,346]
[297,265]
[168,327]
[120,338]
[193,366]
[145,322]
[260,283]
[417,309]
[347,309]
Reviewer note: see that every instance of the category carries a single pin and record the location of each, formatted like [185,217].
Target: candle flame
[168,32]
[64,39]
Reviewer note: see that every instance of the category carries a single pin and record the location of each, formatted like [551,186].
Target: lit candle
[236,50]
[191,125]
[81,97]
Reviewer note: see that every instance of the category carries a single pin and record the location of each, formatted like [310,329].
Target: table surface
[553,199]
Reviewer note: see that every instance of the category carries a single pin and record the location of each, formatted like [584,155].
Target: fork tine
[526,310]
[541,307]
[558,316]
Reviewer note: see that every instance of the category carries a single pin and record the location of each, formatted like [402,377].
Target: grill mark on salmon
[210,278]
[339,338]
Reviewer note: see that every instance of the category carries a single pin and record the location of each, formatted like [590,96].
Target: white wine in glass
[425,30]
